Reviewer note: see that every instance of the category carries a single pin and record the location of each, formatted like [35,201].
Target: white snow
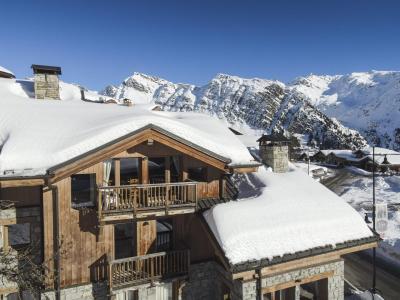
[2,69]
[366,101]
[279,214]
[38,134]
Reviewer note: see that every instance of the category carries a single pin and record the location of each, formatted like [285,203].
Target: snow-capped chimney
[46,82]
[274,151]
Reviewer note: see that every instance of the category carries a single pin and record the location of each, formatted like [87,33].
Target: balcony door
[164,169]
[122,171]
[129,171]
[124,240]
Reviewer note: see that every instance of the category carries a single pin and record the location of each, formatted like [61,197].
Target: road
[358,271]
[358,266]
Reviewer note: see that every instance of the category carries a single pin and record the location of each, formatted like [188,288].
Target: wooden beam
[117,172]
[119,147]
[304,262]
[292,283]
[167,175]
[21,182]
[243,170]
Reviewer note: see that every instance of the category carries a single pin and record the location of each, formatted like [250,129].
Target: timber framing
[247,270]
[130,140]
[7,182]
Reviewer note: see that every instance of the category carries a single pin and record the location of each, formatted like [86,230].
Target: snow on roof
[36,135]
[346,154]
[2,69]
[282,214]
[393,159]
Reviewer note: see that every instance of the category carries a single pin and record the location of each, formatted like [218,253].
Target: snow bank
[38,134]
[280,214]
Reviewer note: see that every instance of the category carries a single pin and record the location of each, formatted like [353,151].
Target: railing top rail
[149,185]
[141,257]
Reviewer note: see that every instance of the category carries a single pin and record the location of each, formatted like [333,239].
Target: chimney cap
[275,137]
[42,69]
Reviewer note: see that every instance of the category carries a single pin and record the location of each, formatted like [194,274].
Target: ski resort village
[154,190]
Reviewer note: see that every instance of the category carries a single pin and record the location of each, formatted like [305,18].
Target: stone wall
[47,86]
[98,291]
[335,284]
[277,157]
[209,280]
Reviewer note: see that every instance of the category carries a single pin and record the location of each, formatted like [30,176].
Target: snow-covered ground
[357,191]
[318,172]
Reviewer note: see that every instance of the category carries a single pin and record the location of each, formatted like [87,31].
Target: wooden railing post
[195,196]
[110,274]
[99,204]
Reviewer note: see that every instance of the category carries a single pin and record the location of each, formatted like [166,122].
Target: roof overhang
[18,181]
[328,251]
[132,139]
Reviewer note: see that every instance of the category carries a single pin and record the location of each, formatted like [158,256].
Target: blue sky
[101,42]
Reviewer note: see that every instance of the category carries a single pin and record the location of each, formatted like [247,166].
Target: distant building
[274,151]
[46,82]
[4,73]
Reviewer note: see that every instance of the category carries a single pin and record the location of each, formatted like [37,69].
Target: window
[157,169]
[124,243]
[129,170]
[19,234]
[198,174]
[175,168]
[83,189]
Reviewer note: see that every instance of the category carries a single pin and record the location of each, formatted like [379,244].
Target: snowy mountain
[368,102]
[256,103]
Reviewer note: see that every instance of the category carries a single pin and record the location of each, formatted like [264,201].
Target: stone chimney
[274,151]
[46,82]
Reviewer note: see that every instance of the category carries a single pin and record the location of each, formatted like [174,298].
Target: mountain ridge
[303,106]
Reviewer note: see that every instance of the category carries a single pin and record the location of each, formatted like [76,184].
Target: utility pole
[373,222]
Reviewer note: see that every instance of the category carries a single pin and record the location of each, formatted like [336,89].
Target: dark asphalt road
[358,271]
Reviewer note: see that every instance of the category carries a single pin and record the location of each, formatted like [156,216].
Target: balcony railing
[141,269]
[143,197]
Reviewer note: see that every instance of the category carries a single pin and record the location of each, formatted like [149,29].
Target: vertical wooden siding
[84,247]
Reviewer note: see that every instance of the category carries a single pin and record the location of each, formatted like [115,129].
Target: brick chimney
[274,151]
[46,82]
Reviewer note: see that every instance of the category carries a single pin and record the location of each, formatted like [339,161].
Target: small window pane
[157,169]
[129,171]
[198,174]
[83,189]
[19,234]
[124,235]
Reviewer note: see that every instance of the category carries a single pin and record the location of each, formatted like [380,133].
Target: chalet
[320,156]
[385,159]
[131,203]
[4,73]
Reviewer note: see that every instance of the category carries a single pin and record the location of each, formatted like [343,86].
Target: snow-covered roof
[392,156]
[346,154]
[2,69]
[280,214]
[36,135]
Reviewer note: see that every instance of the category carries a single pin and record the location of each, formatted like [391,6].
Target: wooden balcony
[147,268]
[116,203]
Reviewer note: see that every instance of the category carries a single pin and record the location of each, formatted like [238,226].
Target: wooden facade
[79,242]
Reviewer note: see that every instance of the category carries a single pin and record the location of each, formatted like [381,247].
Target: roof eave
[151,126]
[256,264]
